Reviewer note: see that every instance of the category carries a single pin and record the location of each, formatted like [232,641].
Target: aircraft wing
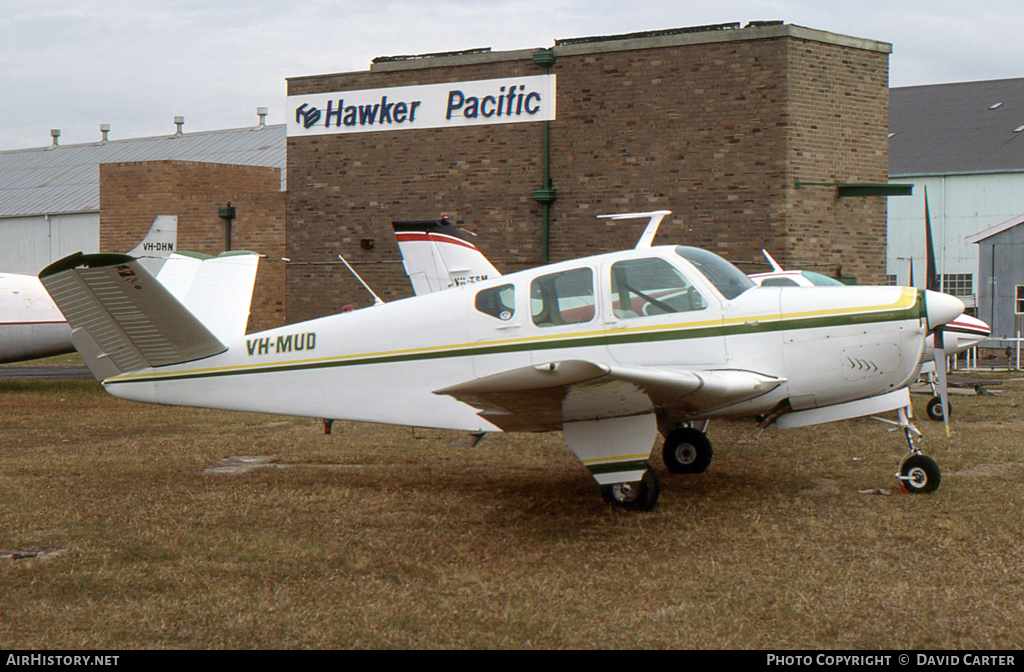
[541,398]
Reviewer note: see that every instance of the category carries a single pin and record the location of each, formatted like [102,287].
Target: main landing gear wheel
[687,451]
[919,474]
[640,495]
[934,409]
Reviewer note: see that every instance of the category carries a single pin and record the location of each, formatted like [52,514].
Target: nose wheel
[934,409]
[917,472]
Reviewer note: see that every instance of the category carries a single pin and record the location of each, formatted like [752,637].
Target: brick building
[132,194]
[769,135]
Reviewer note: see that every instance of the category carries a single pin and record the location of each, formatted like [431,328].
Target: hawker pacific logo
[338,113]
[492,101]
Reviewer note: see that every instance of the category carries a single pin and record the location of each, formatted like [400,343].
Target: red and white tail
[438,255]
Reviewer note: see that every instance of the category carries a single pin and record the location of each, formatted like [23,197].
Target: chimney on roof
[54,134]
[104,129]
[261,112]
[179,122]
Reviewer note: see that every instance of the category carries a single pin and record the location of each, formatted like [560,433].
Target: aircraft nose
[941,308]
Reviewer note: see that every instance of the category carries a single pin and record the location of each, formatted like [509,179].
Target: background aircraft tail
[438,255]
[123,319]
[216,290]
[158,244]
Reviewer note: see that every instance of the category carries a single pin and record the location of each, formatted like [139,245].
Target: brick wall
[716,129]
[132,194]
[837,132]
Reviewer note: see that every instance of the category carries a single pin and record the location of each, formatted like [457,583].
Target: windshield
[821,280]
[726,278]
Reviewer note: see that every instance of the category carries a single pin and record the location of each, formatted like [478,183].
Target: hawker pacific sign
[490,101]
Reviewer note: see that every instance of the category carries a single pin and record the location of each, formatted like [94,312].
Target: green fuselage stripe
[914,312]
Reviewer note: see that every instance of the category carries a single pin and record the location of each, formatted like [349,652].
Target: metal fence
[1006,347]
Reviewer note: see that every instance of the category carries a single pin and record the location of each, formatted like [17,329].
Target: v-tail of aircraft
[611,350]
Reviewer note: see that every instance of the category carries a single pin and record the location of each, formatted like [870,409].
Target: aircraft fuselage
[638,308]
[31,326]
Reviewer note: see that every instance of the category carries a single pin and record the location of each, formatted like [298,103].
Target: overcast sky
[136,64]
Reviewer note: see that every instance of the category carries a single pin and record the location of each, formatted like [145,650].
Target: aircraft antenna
[376,299]
[647,238]
[771,260]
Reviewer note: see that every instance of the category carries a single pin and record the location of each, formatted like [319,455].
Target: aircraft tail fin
[159,242]
[122,318]
[438,255]
[216,290]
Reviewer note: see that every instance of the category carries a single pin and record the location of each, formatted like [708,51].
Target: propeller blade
[940,373]
[931,277]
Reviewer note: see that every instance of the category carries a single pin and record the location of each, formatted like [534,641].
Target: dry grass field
[382,537]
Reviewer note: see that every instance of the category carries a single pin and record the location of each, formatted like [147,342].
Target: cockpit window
[642,287]
[726,278]
[781,281]
[499,302]
[563,298]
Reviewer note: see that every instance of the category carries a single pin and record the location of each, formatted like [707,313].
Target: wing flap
[541,398]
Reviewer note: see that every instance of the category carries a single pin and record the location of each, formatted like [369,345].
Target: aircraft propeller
[932,283]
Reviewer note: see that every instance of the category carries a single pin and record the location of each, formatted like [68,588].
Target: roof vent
[104,130]
[179,122]
[261,112]
[55,135]
[995,106]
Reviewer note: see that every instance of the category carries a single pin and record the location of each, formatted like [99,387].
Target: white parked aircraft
[610,349]
[31,326]
[438,255]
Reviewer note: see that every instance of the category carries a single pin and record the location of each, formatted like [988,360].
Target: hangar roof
[65,178]
[955,129]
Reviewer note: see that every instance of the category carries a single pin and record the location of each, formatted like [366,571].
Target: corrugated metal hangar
[962,144]
[50,196]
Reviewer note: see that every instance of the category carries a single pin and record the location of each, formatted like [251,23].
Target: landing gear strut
[934,408]
[917,472]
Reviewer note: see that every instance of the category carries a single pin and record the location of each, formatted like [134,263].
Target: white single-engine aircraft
[31,326]
[438,255]
[610,349]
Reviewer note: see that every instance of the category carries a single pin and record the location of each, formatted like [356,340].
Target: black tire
[919,474]
[641,495]
[935,409]
[687,451]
